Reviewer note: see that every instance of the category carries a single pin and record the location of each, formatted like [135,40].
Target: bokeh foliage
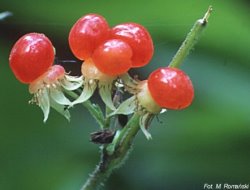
[206,143]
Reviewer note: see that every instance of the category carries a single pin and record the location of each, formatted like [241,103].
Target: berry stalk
[113,160]
[93,109]
[190,40]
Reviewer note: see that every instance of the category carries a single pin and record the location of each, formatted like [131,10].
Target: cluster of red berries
[113,50]
[107,54]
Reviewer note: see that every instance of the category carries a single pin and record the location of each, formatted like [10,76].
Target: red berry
[86,34]
[139,40]
[113,57]
[171,88]
[31,56]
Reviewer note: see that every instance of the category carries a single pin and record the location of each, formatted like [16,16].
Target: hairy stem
[190,40]
[100,174]
[109,162]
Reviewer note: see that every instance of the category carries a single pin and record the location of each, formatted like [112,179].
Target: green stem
[98,177]
[107,118]
[128,132]
[190,40]
[93,109]
[109,162]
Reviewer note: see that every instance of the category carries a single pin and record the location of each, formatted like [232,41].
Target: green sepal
[129,81]
[44,102]
[60,109]
[127,107]
[87,92]
[105,91]
[145,121]
[58,96]
[72,83]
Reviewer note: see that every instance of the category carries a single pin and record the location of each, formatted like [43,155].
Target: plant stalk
[190,40]
[93,109]
[109,162]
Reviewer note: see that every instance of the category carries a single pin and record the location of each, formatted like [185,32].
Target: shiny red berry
[31,56]
[139,40]
[113,57]
[171,88]
[86,34]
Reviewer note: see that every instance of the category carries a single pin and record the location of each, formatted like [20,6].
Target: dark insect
[102,137]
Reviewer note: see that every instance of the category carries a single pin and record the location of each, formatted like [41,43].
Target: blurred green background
[207,143]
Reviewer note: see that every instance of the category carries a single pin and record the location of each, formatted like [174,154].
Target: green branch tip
[190,40]
[208,13]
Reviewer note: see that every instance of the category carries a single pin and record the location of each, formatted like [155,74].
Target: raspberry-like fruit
[31,56]
[113,57]
[171,88]
[86,34]
[139,40]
